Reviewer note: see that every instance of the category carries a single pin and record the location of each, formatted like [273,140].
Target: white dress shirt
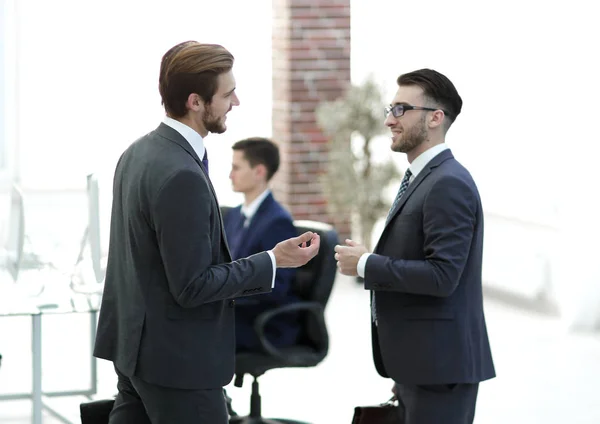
[195,140]
[417,165]
[189,134]
[250,210]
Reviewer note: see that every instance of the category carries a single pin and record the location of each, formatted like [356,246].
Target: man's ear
[436,119]
[194,103]
[261,170]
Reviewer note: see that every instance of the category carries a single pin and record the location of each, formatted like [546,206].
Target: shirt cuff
[362,263]
[272,255]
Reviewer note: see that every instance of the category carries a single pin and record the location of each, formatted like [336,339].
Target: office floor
[545,376]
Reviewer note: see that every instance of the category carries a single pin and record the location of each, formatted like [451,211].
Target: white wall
[88,79]
[528,75]
[527,72]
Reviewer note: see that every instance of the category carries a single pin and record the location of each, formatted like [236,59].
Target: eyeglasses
[398,110]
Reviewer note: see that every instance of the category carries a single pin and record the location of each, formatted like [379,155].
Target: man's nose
[390,121]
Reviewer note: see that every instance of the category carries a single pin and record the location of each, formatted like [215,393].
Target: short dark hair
[260,151]
[191,67]
[437,88]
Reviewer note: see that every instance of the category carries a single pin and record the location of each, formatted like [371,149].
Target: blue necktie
[205,161]
[236,237]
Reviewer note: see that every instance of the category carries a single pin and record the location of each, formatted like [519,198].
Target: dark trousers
[432,404]
[139,402]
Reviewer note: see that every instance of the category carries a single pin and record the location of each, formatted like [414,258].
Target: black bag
[385,413]
[96,412]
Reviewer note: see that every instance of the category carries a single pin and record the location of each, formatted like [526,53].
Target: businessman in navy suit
[428,327]
[257,225]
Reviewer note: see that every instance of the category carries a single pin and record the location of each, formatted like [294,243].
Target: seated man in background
[257,225]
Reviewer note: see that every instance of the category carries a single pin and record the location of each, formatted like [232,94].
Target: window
[7,90]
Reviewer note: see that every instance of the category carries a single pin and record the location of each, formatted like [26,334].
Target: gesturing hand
[348,256]
[297,251]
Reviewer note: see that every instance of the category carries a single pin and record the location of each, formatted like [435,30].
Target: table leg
[94,362]
[36,355]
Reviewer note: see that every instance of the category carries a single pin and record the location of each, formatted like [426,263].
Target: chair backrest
[314,281]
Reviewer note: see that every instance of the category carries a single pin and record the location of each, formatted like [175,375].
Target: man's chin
[218,130]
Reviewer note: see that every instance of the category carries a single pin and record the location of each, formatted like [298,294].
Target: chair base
[260,420]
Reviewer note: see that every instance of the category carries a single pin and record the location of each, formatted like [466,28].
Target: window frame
[8,93]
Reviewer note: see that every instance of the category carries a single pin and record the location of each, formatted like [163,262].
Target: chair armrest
[315,308]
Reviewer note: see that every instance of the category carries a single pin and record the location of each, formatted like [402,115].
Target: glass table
[13,303]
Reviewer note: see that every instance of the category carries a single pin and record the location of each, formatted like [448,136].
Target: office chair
[96,412]
[313,285]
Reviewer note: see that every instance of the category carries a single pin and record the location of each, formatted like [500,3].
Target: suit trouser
[140,402]
[432,404]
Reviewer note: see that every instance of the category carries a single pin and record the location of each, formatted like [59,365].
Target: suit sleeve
[449,218]
[181,216]
[280,229]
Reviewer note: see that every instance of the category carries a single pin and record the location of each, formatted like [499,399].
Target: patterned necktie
[401,190]
[205,160]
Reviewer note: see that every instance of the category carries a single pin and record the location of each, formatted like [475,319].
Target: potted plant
[355,180]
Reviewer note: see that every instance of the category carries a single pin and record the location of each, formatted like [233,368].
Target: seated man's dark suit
[270,224]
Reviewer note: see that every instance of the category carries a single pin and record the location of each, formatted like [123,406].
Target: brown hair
[437,88]
[191,67]
[260,150]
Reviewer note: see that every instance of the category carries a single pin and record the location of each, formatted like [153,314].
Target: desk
[75,303]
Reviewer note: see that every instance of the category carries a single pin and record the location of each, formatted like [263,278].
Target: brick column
[311,63]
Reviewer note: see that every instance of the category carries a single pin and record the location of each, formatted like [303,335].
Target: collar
[188,133]
[424,158]
[250,210]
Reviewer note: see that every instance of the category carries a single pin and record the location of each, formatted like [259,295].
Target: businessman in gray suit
[428,327]
[167,314]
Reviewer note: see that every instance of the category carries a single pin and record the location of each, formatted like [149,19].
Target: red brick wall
[311,63]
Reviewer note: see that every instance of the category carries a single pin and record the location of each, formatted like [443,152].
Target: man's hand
[297,251]
[348,256]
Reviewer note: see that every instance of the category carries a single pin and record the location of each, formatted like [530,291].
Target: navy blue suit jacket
[425,274]
[270,224]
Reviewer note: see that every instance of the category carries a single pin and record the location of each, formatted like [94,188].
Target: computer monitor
[93,195]
[16,233]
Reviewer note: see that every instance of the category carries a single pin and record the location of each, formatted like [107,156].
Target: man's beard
[213,124]
[411,139]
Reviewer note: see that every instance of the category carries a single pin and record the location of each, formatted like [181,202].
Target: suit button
[231,303]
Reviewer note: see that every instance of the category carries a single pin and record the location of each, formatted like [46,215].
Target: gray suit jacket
[167,313]
[426,276]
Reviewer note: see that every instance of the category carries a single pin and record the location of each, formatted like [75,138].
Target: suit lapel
[256,222]
[174,136]
[433,163]
[411,188]
[171,134]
